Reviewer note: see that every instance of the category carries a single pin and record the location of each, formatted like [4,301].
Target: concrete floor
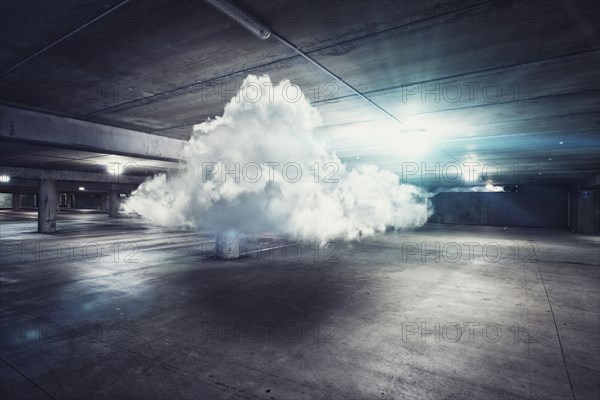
[378,319]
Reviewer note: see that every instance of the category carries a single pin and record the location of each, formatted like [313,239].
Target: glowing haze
[260,168]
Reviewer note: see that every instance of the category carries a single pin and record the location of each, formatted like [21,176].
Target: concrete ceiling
[515,84]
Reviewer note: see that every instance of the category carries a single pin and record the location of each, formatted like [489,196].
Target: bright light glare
[384,137]
[81,188]
[470,176]
[4,178]
[412,143]
[493,188]
[114,168]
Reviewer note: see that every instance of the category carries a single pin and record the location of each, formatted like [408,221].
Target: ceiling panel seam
[181,88]
[283,59]
[68,35]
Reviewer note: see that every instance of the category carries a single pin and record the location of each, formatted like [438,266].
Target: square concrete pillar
[16,201]
[227,246]
[47,206]
[113,203]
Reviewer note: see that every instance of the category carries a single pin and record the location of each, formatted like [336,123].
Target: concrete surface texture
[511,82]
[116,308]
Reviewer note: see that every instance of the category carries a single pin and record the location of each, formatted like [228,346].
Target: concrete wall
[460,208]
[89,201]
[97,201]
[585,211]
[5,200]
[537,205]
[28,200]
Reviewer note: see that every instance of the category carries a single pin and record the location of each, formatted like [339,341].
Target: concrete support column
[113,203]
[227,246]
[16,201]
[47,206]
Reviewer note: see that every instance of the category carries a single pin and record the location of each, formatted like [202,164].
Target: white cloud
[266,140]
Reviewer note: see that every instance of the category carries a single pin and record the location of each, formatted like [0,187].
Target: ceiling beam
[35,127]
[31,186]
[98,175]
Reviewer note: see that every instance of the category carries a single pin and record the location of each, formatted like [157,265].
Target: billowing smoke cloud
[260,168]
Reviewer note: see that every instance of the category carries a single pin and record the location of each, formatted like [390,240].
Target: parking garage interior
[303,199]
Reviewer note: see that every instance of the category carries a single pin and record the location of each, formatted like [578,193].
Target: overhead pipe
[263,32]
[242,17]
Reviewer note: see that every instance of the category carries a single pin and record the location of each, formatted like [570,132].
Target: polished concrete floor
[118,309]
